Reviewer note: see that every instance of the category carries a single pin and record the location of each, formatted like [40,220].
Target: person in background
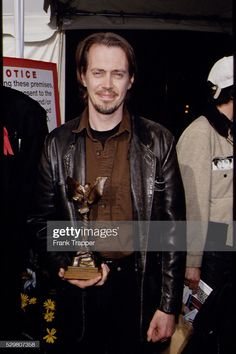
[24,127]
[105,314]
[205,154]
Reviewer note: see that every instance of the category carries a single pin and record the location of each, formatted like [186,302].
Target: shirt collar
[125,124]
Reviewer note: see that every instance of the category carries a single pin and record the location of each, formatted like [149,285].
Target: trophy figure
[84,263]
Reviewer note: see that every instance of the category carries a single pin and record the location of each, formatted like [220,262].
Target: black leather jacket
[152,158]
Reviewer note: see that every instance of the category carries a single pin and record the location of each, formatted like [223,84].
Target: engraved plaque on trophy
[84,265]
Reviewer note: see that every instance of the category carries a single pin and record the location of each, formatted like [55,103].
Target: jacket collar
[85,127]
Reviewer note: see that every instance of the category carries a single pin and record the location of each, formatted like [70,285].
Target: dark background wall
[172,70]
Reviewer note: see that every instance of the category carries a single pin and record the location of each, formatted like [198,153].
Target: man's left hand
[98,281]
[161,328]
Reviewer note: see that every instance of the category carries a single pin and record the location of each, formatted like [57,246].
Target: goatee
[106,110]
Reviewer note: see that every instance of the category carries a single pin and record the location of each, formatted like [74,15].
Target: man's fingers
[61,273]
[156,336]
[192,284]
[149,334]
[85,283]
[105,272]
[99,280]
[153,335]
[162,327]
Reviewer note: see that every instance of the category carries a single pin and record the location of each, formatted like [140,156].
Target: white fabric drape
[41,42]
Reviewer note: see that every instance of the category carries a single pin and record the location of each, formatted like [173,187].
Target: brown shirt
[112,161]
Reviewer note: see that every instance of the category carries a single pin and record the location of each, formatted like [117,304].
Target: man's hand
[162,327]
[192,277]
[100,280]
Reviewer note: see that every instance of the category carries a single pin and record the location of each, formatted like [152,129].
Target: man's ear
[131,82]
[81,79]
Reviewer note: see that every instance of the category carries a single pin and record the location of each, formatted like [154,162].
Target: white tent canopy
[27,33]
[39,39]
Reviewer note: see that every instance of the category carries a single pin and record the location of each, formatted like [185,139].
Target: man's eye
[97,73]
[118,75]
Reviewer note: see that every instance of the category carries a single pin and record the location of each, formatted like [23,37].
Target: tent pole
[19,27]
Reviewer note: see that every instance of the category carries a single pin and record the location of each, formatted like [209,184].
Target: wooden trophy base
[82,273]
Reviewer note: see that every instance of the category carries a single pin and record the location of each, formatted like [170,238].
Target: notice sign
[36,79]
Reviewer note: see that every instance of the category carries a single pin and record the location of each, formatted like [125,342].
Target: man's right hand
[98,281]
[192,277]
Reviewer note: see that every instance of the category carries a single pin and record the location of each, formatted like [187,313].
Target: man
[105,314]
[205,152]
[24,130]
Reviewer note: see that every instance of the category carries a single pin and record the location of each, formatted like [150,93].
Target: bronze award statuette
[84,265]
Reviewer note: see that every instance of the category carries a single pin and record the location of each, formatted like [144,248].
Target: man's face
[107,78]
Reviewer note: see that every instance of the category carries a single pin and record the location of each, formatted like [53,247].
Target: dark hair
[108,39]
[218,120]
[226,94]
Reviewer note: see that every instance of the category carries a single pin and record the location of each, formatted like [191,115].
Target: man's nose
[108,82]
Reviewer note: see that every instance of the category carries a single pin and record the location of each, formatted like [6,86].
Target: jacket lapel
[142,170]
[74,158]
[74,165]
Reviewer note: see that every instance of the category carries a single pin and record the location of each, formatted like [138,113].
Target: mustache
[106,91]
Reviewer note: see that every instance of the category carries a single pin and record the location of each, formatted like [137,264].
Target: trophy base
[82,273]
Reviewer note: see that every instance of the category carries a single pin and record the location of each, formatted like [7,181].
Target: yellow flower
[49,304]
[32,301]
[49,316]
[24,300]
[50,338]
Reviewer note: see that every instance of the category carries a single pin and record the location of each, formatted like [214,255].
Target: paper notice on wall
[36,79]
